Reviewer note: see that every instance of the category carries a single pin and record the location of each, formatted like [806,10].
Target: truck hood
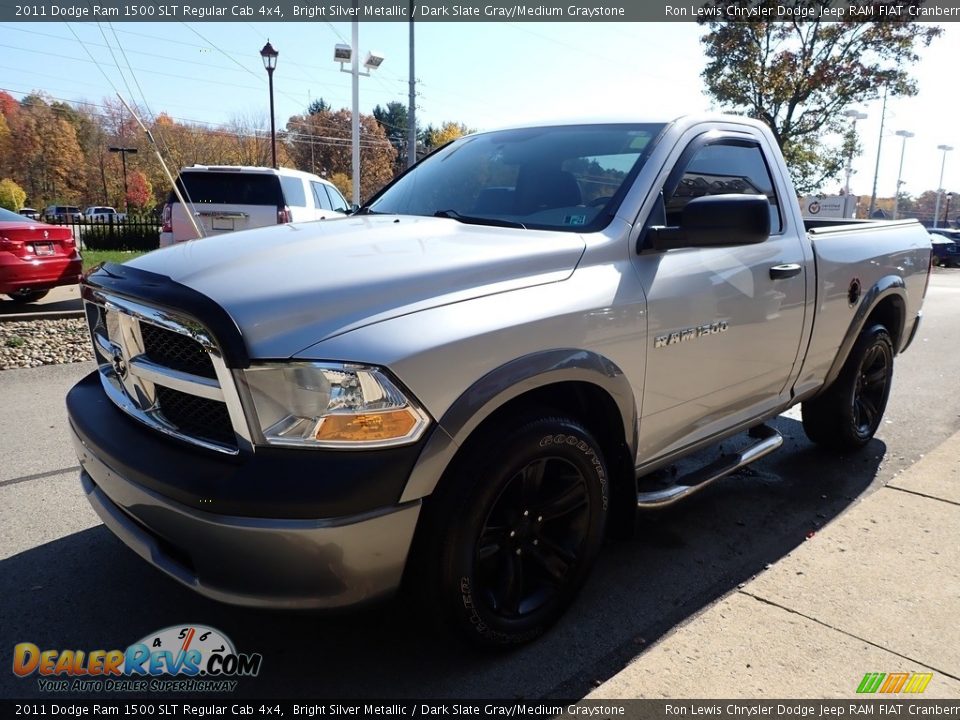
[291,286]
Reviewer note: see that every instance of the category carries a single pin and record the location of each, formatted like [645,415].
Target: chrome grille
[196,416]
[166,371]
[175,350]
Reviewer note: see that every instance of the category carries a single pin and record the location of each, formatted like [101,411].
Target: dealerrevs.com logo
[181,658]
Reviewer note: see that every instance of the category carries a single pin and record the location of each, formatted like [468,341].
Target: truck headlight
[332,405]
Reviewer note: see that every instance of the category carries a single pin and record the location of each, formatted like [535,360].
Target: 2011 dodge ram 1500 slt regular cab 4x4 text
[469,381]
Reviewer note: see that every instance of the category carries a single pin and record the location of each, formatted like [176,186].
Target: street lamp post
[855,115]
[903,147]
[124,151]
[349,54]
[936,212]
[946,212]
[269,56]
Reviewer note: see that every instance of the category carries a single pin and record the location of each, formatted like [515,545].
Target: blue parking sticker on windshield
[575,220]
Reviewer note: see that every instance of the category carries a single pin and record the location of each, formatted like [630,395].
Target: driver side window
[723,169]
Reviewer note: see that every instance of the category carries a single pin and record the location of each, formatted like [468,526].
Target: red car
[35,257]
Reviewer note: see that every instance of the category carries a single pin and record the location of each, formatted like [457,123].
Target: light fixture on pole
[348,54]
[124,151]
[269,56]
[903,147]
[936,212]
[854,115]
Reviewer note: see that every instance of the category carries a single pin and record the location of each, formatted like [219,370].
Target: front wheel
[521,521]
[846,416]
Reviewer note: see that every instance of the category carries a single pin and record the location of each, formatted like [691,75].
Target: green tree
[12,196]
[395,121]
[799,76]
[318,106]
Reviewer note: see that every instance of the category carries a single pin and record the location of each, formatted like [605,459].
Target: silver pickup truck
[465,386]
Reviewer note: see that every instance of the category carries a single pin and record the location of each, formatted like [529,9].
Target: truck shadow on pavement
[87,591]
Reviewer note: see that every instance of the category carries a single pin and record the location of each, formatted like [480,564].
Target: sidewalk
[877,590]
[63,301]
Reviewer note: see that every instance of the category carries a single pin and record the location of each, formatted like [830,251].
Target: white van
[225,198]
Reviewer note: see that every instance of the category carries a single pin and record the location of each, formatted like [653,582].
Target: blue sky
[483,74]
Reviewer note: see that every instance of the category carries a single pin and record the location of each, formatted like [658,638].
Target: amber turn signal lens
[388,425]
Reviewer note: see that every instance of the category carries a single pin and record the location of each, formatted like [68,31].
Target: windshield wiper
[472,220]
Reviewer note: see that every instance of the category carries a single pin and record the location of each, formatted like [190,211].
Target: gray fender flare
[505,383]
[889,285]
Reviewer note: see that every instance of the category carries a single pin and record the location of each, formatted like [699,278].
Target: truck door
[725,323]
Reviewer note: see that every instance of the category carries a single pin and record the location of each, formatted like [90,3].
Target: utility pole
[876,169]
[412,110]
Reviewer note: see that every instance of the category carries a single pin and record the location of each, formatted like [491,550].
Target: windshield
[569,177]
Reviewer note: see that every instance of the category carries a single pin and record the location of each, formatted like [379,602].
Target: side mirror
[717,221]
[353,209]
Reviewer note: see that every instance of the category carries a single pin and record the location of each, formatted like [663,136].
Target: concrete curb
[876,590]
[51,315]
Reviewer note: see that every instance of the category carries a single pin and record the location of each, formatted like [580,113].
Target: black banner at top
[474,11]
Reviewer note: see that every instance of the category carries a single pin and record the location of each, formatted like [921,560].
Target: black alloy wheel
[533,537]
[512,531]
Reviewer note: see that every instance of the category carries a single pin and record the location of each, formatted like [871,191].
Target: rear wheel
[28,297]
[846,416]
[517,527]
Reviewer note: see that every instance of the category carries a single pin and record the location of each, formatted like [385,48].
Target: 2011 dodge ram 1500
[468,380]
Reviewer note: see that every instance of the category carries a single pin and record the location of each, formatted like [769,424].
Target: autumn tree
[320,143]
[139,192]
[434,137]
[49,161]
[799,76]
[12,196]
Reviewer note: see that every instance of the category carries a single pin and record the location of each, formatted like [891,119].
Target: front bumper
[293,561]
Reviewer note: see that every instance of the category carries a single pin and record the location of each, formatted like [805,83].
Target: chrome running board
[769,440]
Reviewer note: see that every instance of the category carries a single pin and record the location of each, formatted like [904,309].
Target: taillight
[284,215]
[167,218]
[14,247]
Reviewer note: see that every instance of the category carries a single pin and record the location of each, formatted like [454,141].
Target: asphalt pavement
[702,591]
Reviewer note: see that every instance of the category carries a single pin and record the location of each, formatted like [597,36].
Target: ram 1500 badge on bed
[465,384]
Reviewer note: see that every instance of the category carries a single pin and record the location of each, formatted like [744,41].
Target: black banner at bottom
[592,709]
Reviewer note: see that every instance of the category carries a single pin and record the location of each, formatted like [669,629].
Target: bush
[121,237]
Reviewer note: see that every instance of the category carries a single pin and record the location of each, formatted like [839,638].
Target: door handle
[781,272]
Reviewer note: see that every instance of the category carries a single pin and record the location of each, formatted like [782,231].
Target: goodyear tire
[519,524]
[846,416]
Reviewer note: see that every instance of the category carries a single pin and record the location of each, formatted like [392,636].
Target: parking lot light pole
[946,212]
[349,54]
[269,56]
[855,115]
[123,159]
[903,147]
[936,212]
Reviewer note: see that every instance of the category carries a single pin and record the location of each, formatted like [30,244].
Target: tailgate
[218,218]
[224,201]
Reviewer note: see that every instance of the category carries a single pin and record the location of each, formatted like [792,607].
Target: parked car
[31,213]
[35,257]
[470,380]
[103,214]
[229,198]
[945,249]
[62,214]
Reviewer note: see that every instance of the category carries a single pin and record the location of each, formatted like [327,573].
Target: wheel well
[890,313]
[598,411]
